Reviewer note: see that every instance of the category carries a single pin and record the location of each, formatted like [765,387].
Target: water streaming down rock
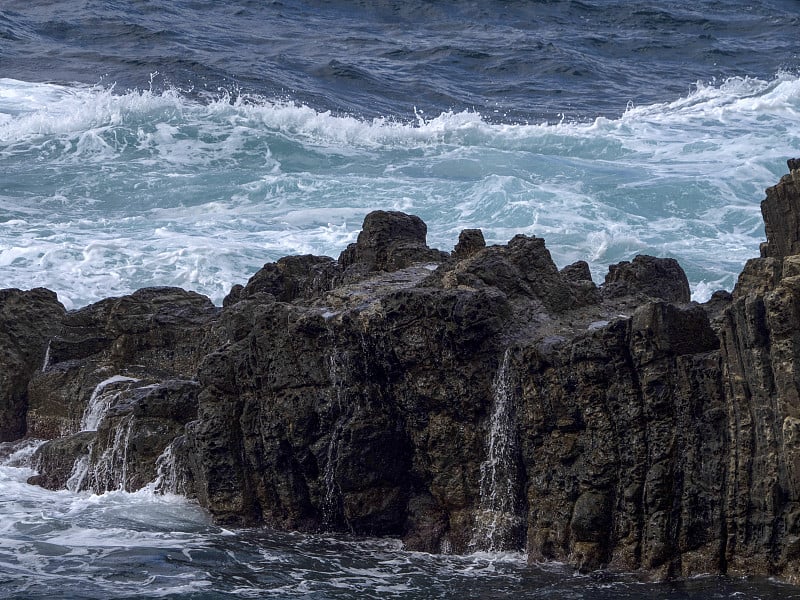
[78,477]
[128,439]
[19,453]
[46,361]
[101,400]
[497,520]
[106,472]
[170,478]
[110,469]
[332,502]
[136,440]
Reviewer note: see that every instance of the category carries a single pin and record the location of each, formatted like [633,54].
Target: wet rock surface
[28,320]
[476,400]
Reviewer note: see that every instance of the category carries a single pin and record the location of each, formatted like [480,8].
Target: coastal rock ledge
[476,400]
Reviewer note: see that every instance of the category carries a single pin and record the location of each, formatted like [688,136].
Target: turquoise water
[105,192]
[189,143]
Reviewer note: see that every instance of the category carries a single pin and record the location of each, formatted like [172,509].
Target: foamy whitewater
[106,192]
[188,143]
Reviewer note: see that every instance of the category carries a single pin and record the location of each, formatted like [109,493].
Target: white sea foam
[145,545]
[113,191]
[79,541]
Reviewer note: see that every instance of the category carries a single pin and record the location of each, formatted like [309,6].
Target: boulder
[388,241]
[656,278]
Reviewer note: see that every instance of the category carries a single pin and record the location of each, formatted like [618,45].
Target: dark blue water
[511,61]
[188,142]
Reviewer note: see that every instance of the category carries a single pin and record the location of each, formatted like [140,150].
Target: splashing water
[108,192]
[498,518]
[110,471]
[169,478]
[102,399]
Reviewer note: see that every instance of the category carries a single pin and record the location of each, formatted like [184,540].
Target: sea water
[142,545]
[105,191]
[187,143]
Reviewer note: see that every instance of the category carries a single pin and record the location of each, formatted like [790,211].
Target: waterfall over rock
[331,507]
[101,400]
[498,520]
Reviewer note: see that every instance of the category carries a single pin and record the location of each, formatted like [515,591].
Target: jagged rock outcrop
[389,241]
[370,408]
[761,358]
[476,400]
[781,212]
[153,334]
[290,278]
[118,387]
[624,440]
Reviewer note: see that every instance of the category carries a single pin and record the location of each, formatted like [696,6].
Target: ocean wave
[112,190]
[28,108]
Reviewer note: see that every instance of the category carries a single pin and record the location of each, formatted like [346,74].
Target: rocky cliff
[480,399]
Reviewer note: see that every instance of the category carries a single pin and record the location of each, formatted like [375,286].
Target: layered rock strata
[477,400]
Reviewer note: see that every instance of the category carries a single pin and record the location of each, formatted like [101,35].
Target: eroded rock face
[478,400]
[129,445]
[118,388]
[27,322]
[781,212]
[624,439]
[371,408]
[152,334]
[760,360]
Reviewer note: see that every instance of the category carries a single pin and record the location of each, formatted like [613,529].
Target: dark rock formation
[624,441]
[781,212]
[27,322]
[470,241]
[761,356]
[290,278]
[55,460]
[523,271]
[479,400]
[577,272]
[389,241]
[655,277]
[153,334]
[129,361]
